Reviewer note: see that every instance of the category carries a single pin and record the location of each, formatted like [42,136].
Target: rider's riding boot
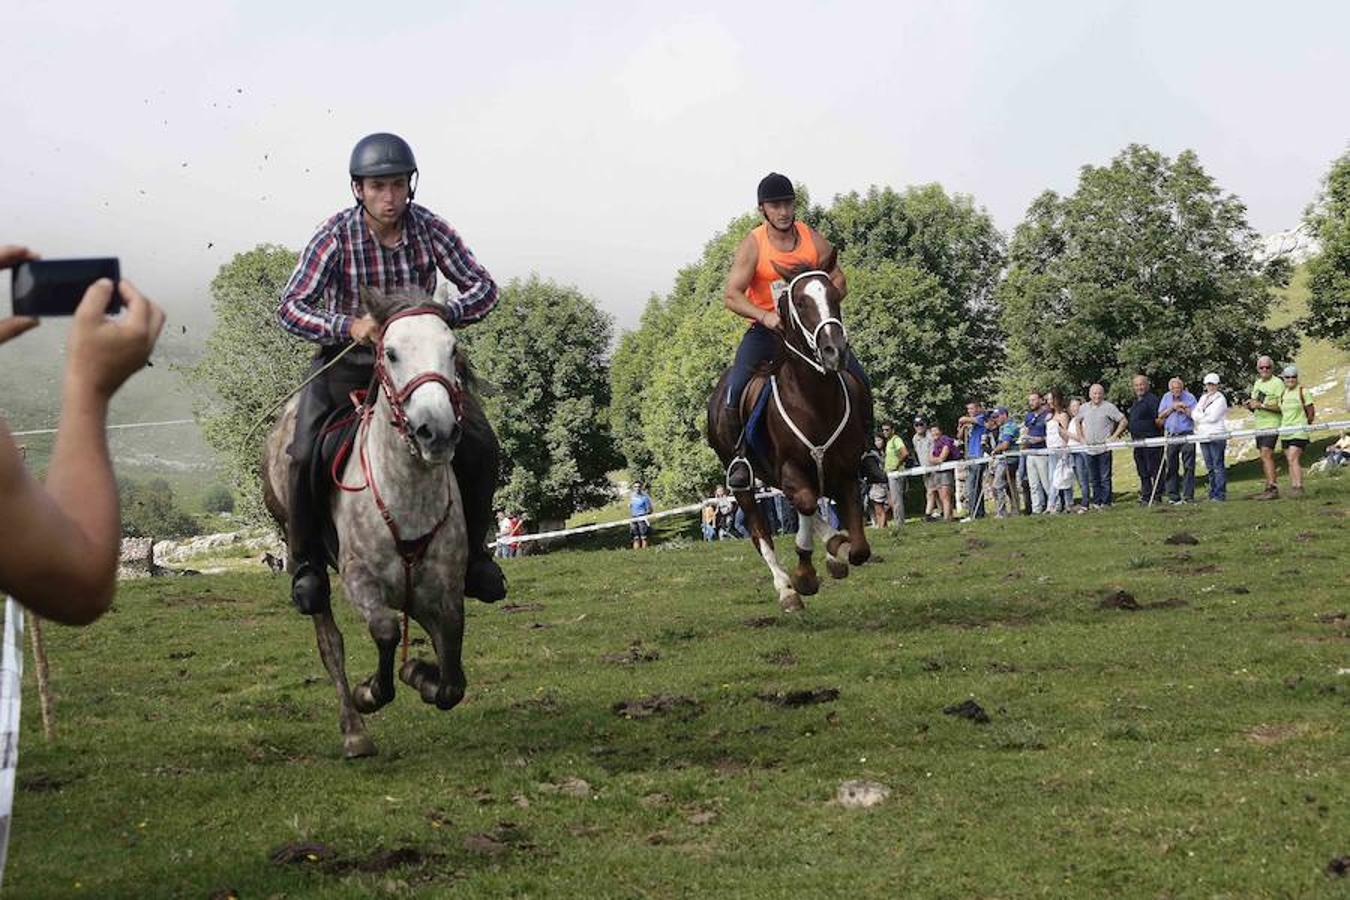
[476,465]
[740,477]
[871,468]
[309,569]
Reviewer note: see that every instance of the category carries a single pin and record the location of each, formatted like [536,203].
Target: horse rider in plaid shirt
[385,241]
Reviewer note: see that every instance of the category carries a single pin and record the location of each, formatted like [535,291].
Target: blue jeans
[1180,465]
[975,490]
[1082,476]
[1218,475]
[709,532]
[1099,477]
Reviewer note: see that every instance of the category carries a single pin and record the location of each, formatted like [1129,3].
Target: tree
[1147,267]
[249,364]
[543,349]
[924,352]
[149,509]
[922,267]
[1328,219]
[219,499]
[942,234]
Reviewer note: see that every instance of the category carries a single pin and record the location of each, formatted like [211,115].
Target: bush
[219,499]
[150,510]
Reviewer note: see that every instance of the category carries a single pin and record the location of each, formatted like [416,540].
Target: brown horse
[812,430]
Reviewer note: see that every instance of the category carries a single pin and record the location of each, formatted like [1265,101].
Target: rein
[411,551]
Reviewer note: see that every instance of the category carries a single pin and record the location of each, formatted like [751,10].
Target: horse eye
[390,355]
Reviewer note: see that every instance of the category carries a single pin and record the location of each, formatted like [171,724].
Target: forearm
[308,321]
[739,303]
[74,527]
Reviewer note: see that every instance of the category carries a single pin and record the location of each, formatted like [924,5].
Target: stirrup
[740,484]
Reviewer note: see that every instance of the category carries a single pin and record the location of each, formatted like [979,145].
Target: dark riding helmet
[381,154]
[775,187]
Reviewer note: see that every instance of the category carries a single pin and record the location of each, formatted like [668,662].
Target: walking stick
[1157,479]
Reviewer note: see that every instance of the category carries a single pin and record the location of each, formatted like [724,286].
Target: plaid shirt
[322,300]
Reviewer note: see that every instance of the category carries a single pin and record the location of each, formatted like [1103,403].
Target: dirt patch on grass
[1118,600]
[761,622]
[505,837]
[780,657]
[301,853]
[967,709]
[1339,867]
[1333,618]
[636,653]
[799,698]
[658,705]
[39,783]
[547,703]
[1270,735]
[974,543]
[1182,538]
[509,608]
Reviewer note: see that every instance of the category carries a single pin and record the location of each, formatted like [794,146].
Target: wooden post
[40,662]
[40,668]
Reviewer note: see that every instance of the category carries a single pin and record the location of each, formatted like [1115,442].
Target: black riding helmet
[382,154]
[775,187]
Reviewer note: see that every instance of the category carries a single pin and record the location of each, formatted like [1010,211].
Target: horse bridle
[810,337]
[399,397]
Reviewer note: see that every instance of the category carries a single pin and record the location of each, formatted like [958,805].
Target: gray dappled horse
[399,519]
[812,434]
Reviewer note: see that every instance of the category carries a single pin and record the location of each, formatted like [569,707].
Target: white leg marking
[805,530]
[780,577]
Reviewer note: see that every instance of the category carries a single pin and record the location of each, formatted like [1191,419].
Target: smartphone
[54,287]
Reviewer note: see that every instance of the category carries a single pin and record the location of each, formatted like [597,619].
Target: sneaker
[1270,493]
[739,475]
[967,519]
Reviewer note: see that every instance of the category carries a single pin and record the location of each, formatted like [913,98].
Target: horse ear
[784,272]
[830,261]
[376,302]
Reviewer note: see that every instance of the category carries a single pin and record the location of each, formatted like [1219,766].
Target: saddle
[332,450]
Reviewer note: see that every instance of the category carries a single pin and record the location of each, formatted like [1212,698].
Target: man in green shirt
[896,454]
[1264,403]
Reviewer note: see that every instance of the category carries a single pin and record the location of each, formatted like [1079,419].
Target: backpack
[1308,409]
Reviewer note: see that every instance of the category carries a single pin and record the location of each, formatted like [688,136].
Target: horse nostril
[424,432]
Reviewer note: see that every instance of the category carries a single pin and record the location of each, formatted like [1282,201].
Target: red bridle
[398,397]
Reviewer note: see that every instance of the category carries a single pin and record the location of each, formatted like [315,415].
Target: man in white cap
[1210,412]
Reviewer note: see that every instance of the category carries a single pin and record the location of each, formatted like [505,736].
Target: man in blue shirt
[639,504]
[1036,469]
[975,425]
[1005,467]
[1174,418]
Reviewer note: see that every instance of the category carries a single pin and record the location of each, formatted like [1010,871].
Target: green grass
[1194,748]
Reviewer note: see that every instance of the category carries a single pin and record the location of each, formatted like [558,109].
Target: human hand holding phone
[103,352]
[12,255]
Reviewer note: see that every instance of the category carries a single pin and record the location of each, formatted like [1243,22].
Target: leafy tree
[149,509]
[1328,219]
[924,352]
[219,499]
[249,364]
[1147,267]
[942,234]
[544,349]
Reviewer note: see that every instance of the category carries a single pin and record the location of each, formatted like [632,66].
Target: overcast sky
[601,144]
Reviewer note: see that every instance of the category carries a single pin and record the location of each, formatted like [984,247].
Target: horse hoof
[791,603]
[356,746]
[416,671]
[859,556]
[806,583]
[836,568]
[366,700]
[448,696]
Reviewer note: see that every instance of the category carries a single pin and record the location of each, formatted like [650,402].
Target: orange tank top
[761,286]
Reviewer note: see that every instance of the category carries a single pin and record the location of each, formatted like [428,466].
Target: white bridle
[812,336]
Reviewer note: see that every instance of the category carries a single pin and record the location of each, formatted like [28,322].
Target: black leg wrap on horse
[477,463]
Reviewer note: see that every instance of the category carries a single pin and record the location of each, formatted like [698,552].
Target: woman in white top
[1061,466]
[1209,414]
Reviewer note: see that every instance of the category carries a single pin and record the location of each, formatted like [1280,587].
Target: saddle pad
[335,446]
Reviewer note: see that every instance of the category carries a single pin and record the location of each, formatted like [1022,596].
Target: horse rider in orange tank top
[750,293]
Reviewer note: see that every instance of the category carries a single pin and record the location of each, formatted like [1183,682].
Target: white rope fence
[517,540]
[37,431]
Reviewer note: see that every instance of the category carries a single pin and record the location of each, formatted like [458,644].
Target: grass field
[1196,745]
